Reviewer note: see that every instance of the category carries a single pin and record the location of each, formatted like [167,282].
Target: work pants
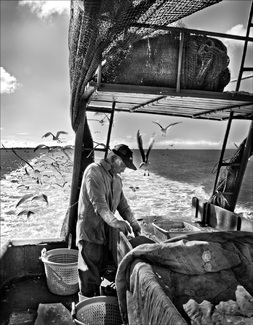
[92,263]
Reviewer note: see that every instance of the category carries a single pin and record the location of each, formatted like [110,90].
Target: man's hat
[125,154]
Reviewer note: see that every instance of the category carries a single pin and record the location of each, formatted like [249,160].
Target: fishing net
[227,181]
[102,29]
[154,61]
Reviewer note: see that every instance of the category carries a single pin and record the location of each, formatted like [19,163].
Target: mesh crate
[61,270]
[101,310]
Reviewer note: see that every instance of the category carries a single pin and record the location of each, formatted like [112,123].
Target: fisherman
[101,195]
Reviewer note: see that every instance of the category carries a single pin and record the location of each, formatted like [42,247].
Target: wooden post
[73,205]
[77,169]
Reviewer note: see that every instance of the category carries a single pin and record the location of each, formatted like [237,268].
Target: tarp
[153,281]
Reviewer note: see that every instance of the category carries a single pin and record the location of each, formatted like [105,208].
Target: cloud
[236,30]
[191,143]
[8,83]
[25,140]
[18,144]
[43,9]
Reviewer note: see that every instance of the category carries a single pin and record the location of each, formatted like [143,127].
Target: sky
[35,91]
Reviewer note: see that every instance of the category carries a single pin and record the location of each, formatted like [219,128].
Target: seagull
[24,198]
[101,121]
[62,184]
[42,197]
[55,137]
[26,172]
[164,130]
[144,156]
[134,188]
[105,115]
[25,186]
[42,146]
[27,212]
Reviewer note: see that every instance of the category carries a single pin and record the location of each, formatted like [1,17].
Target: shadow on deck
[20,300]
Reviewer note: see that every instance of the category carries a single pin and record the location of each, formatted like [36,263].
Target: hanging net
[153,61]
[103,29]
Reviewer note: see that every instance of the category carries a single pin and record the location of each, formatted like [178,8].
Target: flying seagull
[26,212]
[164,130]
[144,156]
[41,146]
[55,137]
[134,188]
[101,121]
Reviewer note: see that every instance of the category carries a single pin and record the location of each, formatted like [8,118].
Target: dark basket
[101,310]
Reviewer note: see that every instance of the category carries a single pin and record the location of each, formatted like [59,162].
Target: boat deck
[20,300]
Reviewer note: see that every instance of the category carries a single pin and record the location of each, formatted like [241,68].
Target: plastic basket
[101,310]
[61,270]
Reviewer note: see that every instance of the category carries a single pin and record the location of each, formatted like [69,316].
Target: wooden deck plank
[166,101]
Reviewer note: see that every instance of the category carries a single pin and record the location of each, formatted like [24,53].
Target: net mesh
[154,61]
[227,181]
[106,28]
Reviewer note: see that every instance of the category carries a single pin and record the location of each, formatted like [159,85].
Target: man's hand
[136,228]
[122,226]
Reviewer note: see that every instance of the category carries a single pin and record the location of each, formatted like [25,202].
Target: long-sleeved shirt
[100,196]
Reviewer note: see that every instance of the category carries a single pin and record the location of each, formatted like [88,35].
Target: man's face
[118,166]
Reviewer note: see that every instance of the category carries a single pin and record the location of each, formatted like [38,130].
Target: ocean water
[175,176]
[10,161]
[197,168]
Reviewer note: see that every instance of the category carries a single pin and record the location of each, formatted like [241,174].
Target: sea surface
[39,181]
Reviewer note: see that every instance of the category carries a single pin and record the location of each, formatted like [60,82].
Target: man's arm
[127,214]
[97,194]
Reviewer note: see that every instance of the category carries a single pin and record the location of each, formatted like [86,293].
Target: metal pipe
[180,55]
[223,150]
[110,128]
[192,31]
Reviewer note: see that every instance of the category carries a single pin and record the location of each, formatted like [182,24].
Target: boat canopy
[103,28]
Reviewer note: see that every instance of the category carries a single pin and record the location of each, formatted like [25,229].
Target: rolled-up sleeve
[125,210]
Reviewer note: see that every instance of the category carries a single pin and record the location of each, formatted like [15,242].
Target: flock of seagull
[144,154]
[59,164]
[56,137]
